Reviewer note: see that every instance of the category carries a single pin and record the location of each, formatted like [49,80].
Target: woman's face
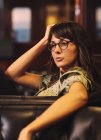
[67,57]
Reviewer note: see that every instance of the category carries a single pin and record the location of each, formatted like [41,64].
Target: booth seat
[18,111]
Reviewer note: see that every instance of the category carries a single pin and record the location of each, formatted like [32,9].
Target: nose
[57,48]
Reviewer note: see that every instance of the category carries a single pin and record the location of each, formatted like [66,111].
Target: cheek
[72,53]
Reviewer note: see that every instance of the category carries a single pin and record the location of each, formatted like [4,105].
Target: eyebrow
[65,39]
[61,39]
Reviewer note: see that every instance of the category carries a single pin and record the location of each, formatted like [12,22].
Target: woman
[73,63]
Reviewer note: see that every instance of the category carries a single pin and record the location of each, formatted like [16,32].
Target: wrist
[44,40]
[28,131]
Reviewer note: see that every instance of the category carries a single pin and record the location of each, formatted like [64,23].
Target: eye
[63,43]
[52,44]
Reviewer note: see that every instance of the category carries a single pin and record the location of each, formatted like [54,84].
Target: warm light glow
[52,15]
[51,20]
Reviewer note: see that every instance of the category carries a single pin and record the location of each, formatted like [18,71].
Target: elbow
[9,74]
[83,99]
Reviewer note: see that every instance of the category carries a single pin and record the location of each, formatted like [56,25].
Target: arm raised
[17,70]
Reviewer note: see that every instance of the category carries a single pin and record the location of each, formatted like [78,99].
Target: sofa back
[17,111]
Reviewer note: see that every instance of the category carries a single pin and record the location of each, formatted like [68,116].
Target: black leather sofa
[17,111]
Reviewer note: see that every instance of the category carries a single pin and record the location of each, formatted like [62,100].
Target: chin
[65,66]
[61,66]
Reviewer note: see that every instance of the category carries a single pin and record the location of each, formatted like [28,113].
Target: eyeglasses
[63,44]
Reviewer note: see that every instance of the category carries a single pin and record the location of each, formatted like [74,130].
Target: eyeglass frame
[59,44]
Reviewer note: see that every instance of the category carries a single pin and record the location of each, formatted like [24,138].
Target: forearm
[23,62]
[60,109]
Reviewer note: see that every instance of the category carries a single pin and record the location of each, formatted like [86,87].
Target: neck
[63,70]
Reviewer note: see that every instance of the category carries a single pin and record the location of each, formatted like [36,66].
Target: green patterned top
[63,84]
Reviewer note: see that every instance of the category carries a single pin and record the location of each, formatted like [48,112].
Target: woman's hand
[47,31]
[25,134]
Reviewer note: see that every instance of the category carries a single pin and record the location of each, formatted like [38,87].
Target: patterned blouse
[63,84]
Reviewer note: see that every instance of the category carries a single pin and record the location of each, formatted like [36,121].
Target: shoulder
[76,74]
[74,71]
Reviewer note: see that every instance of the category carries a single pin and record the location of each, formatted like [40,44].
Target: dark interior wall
[91,28]
[87,18]
[91,24]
